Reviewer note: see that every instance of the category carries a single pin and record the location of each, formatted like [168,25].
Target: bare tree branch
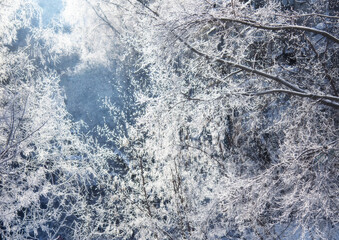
[252,70]
[316,15]
[278,27]
[308,95]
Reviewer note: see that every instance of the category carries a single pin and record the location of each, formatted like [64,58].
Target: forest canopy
[221,119]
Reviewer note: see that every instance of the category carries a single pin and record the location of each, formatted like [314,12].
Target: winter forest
[169,119]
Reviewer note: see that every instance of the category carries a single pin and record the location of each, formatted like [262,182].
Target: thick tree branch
[255,71]
[278,27]
[316,15]
[308,95]
[240,66]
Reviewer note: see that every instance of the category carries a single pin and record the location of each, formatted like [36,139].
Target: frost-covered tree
[51,178]
[236,134]
[239,132]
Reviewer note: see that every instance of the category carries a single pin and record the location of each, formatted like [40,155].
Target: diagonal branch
[255,71]
[144,5]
